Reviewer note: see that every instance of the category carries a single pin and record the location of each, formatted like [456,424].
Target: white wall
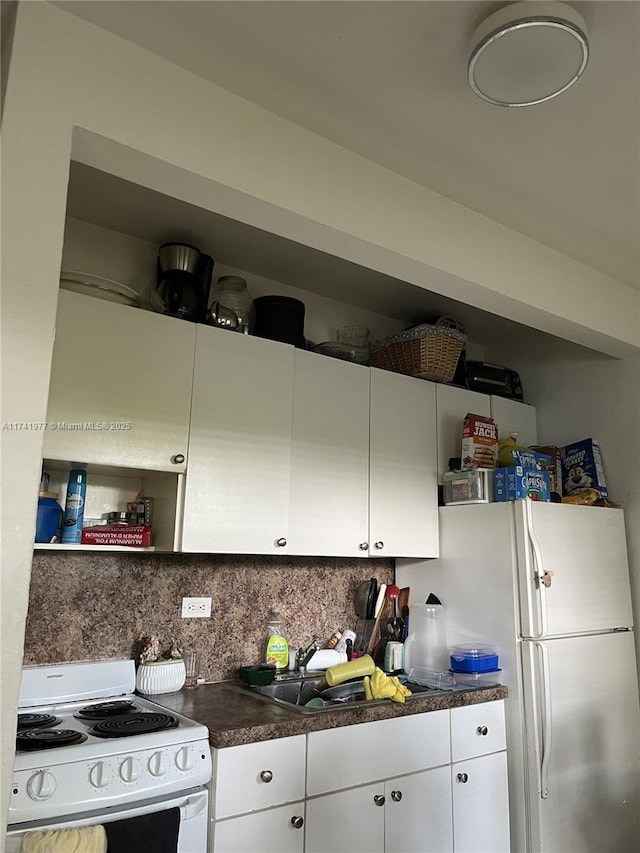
[66,73]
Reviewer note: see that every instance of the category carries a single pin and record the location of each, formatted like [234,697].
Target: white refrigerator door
[573,569]
[583,743]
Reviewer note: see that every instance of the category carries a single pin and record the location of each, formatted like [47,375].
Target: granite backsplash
[97,605]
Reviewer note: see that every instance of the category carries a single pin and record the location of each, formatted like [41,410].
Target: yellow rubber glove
[367,688]
[383,686]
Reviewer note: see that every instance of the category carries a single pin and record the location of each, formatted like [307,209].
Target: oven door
[193,807]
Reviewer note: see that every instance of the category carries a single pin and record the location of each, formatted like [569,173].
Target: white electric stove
[88,750]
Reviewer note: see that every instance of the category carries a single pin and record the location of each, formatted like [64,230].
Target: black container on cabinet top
[280,318]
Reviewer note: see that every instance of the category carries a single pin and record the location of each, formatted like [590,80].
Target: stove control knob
[157,764]
[129,770]
[42,785]
[184,758]
[100,775]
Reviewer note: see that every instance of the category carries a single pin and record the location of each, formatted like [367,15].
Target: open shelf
[59,546]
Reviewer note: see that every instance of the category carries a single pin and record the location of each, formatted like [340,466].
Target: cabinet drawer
[258,775]
[271,831]
[477,730]
[353,755]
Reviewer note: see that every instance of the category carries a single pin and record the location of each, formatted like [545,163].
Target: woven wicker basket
[426,351]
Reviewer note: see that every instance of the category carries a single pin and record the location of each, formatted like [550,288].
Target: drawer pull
[396,796]
[280,543]
[266,775]
[482,730]
[297,821]
[178,459]
[379,545]
[462,777]
[364,546]
[379,799]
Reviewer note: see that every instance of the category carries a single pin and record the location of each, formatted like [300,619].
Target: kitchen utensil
[347,352]
[403,607]
[231,292]
[375,633]
[426,644]
[393,656]
[361,599]
[355,336]
[380,599]
[221,315]
[392,594]
[103,288]
[371,598]
[280,318]
[184,281]
[258,674]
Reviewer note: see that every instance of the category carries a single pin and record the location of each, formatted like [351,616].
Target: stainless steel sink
[295,692]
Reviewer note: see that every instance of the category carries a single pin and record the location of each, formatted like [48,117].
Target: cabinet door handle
[266,775]
[462,777]
[396,796]
[379,799]
[364,546]
[482,730]
[280,543]
[297,821]
[379,545]
[178,459]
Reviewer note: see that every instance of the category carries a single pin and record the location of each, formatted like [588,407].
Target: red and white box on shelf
[133,535]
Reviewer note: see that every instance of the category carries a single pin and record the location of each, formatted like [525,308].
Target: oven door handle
[192,807]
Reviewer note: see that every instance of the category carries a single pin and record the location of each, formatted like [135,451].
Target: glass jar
[231,291]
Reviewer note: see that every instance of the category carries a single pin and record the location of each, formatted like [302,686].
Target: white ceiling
[387,80]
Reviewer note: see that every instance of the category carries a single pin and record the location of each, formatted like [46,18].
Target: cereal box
[479,442]
[517,482]
[582,468]
[554,466]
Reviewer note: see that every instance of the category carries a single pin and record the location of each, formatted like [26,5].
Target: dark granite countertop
[233,717]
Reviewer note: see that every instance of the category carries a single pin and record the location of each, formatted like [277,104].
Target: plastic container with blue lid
[478,657]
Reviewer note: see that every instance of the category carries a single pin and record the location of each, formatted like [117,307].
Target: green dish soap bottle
[277,647]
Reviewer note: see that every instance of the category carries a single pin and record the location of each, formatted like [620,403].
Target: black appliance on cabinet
[184,281]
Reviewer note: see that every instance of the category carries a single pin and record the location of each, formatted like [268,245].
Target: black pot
[280,318]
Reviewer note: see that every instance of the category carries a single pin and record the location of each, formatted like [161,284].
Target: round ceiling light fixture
[528,53]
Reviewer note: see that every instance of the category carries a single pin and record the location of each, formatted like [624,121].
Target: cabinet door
[237,485]
[512,416]
[481,805]
[418,813]
[403,500]
[328,512]
[115,365]
[258,775]
[347,822]
[452,406]
[279,830]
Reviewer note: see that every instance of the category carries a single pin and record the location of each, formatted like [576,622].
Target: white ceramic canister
[160,677]
[426,645]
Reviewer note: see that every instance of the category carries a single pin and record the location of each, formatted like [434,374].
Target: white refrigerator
[548,584]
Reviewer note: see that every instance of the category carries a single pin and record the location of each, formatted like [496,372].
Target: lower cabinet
[481,805]
[425,783]
[277,830]
[410,814]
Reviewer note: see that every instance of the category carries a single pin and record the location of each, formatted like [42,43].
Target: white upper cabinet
[328,512]
[403,491]
[237,490]
[115,366]
[452,406]
[513,416]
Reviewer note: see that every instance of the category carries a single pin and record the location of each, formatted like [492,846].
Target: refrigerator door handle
[545,750]
[541,578]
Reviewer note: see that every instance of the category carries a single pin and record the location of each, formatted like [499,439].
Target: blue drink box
[516,482]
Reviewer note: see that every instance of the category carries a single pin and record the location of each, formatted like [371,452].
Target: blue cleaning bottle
[74,507]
